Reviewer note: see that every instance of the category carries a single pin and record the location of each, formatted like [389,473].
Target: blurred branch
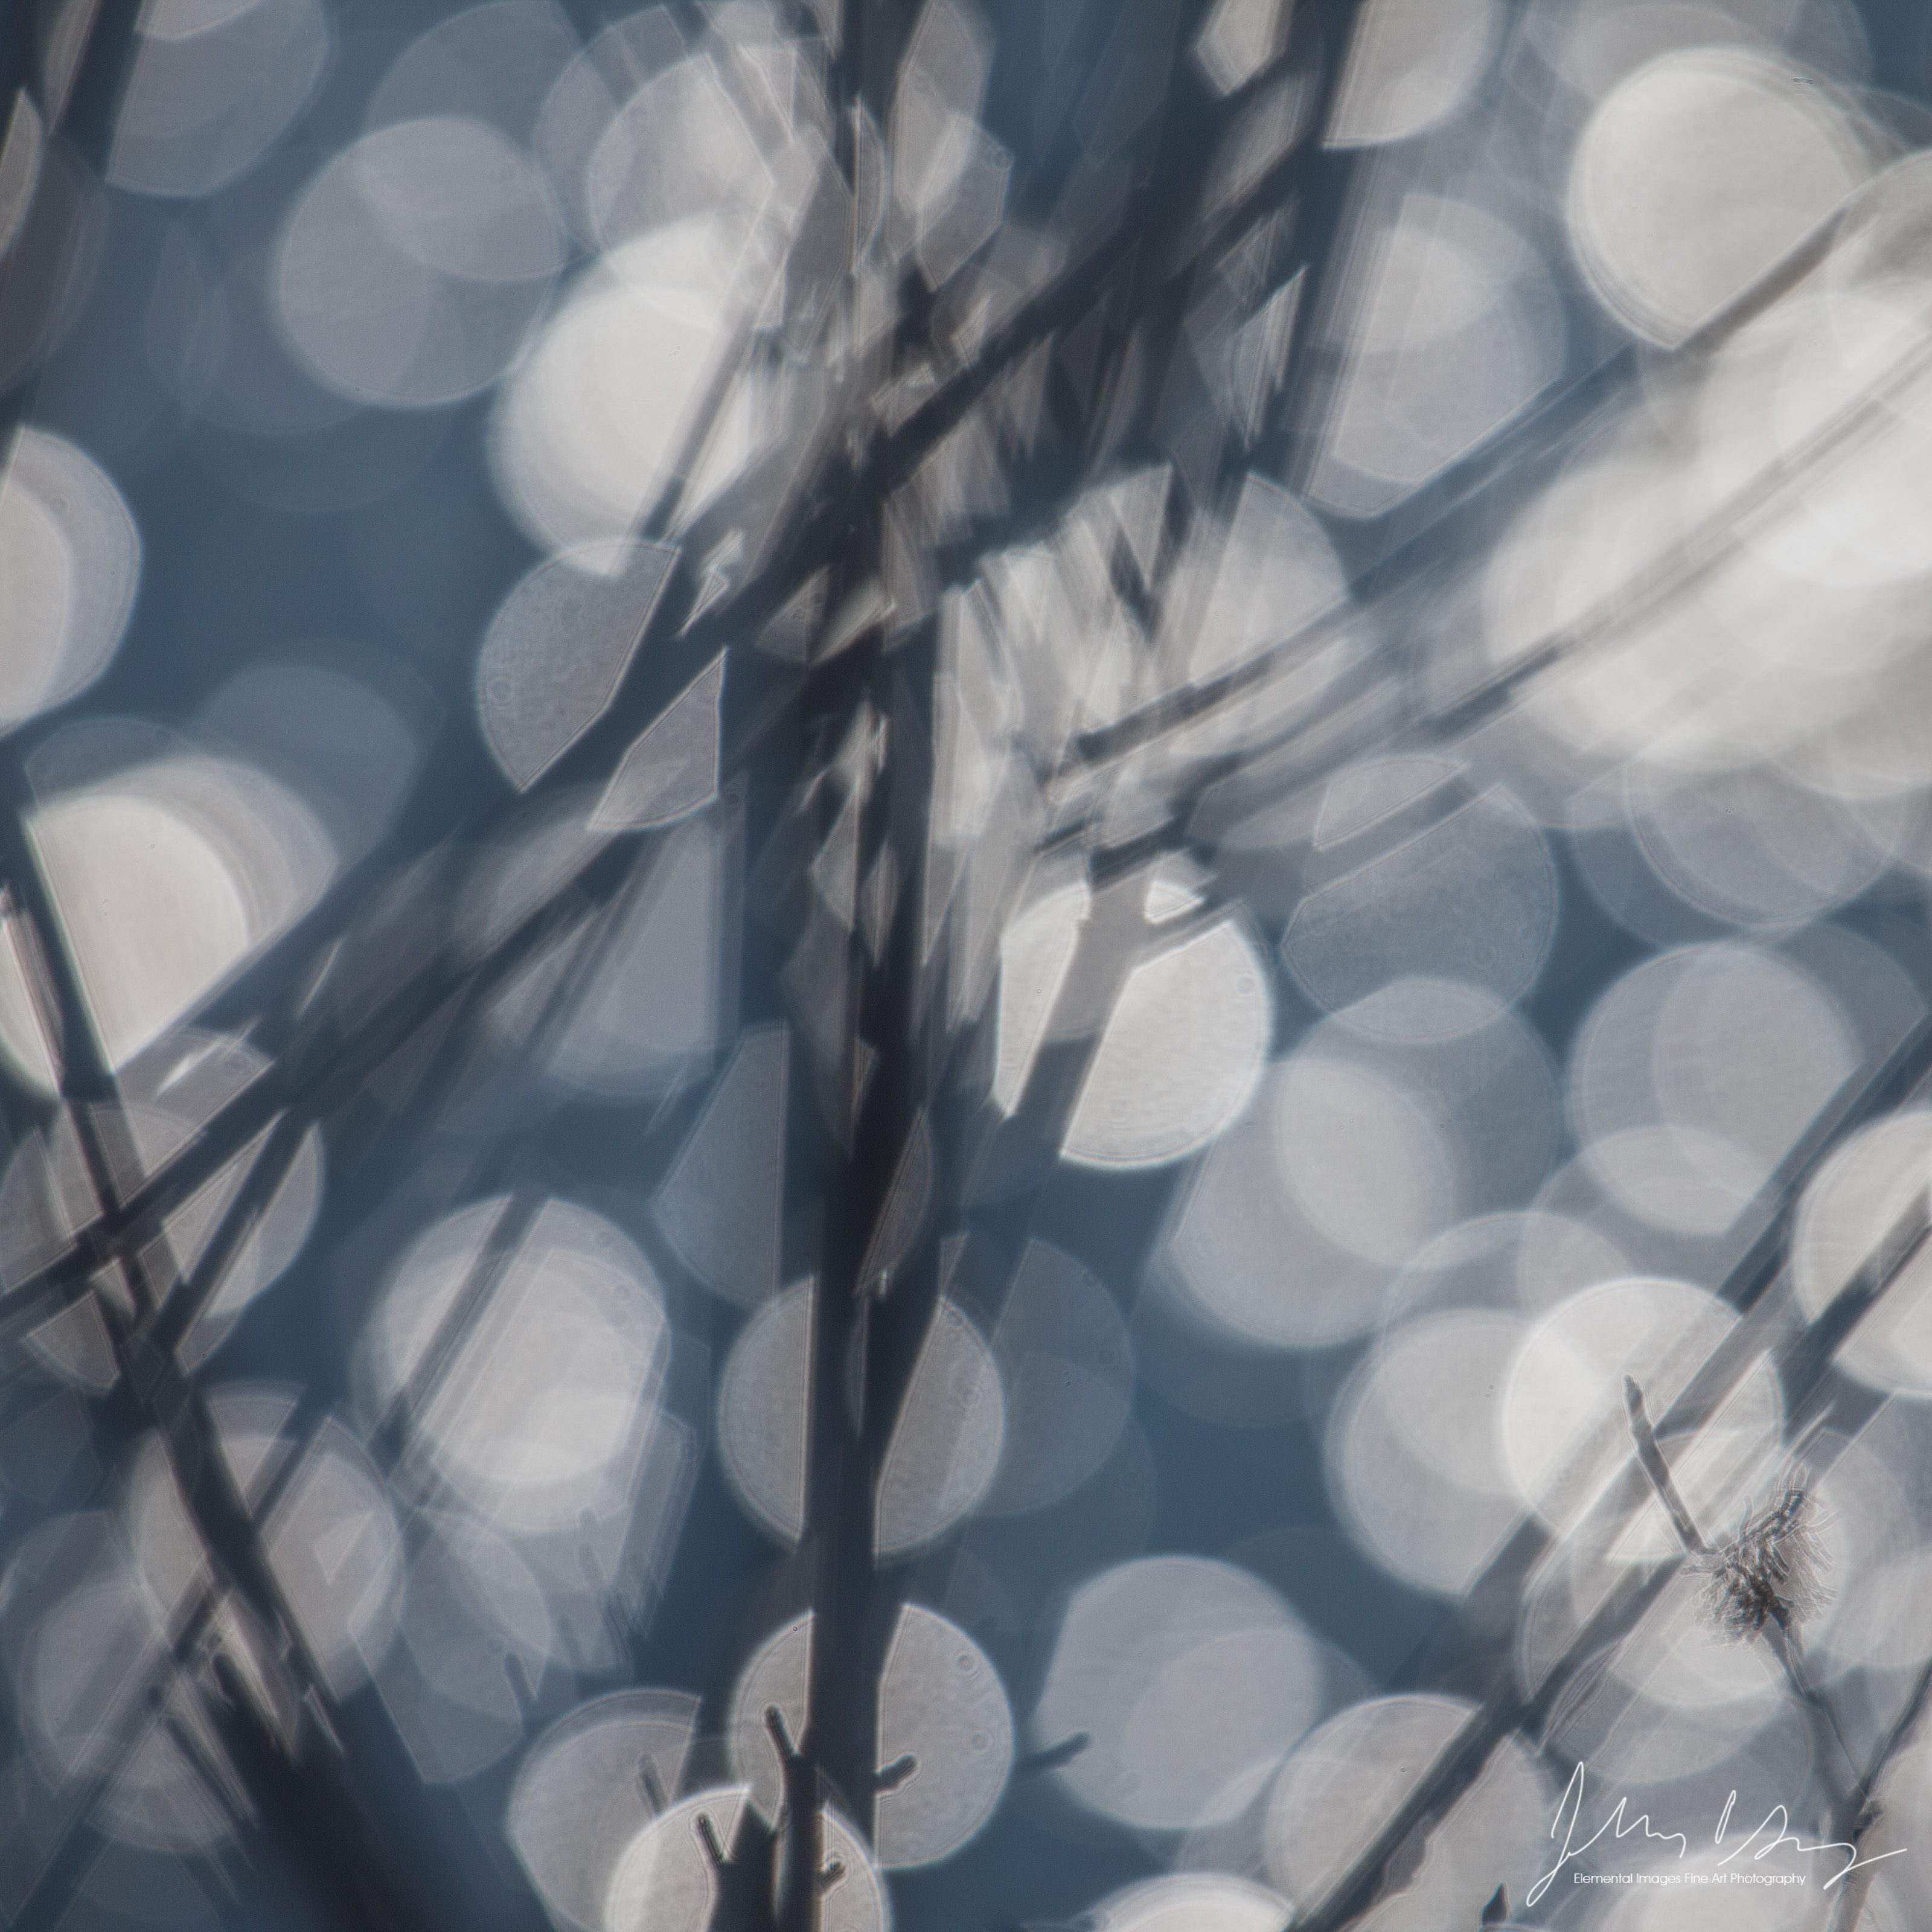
[1858,1883]
[774,1878]
[1507,1712]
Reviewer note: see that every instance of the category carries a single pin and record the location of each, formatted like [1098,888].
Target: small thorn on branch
[708,1838]
[779,1732]
[1054,1756]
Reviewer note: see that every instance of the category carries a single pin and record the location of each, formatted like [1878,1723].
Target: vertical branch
[875,1099]
[1852,1898]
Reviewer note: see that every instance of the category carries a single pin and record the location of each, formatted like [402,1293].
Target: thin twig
[1658,1470]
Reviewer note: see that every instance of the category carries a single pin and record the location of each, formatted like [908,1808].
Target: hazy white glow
[1239,38]
[177,902]
[946,1450]
[1067,1366]
[595,425]
[943,1456]
[168,878]
[1274,573]
[1874,755]
[721,1204]
[1453,330]
[30,1040]
[1696,1073]
[474,1621]
[23,148]
[1872,1186]
[948,178]
[1192,1678]
[1471,899]
[678,148]
[78,1676]
[1565,1431]
[1579,544]
[1418,1105]
[1540,1258]
[214,84]
[457,197]
[169,1092]
[1593,44]
[1036,954]
[1180,1054]
[647,1019]
[1476,1264]
[1367,794]
[1411,64]
[495,62]
[1695,174]
[1751,1742]
[671,768]
[414,265]
[664,1884]
[559,647]
[70,562]
[337,1553]
[1345,1782]
[941,1700]
[580,105]
[1756,846]
[1193,1902]
[537,1413]
[88,1663]
[1278,1238]
[579,1800]
[1875,1541]
[1414,1453]
[1361,1159]
[1754,653]
[332,1541]
[764,1425]
[1790,380]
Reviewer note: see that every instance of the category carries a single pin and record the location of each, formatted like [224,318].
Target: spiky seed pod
[1770,1571]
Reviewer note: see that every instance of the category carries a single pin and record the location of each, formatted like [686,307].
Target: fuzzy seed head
[1770,1571]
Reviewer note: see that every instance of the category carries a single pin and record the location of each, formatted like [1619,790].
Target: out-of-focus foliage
[890,897]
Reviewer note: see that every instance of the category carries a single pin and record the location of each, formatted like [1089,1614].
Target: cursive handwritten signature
[1569,1813]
